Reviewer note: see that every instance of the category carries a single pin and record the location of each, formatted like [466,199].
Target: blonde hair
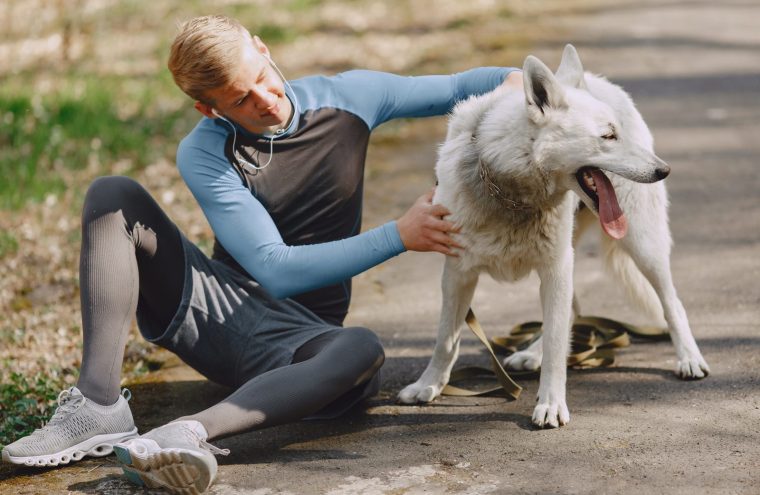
[205,54]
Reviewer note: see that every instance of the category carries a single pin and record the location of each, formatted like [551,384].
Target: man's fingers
[454,243]
[448,251]
[444,226]
[450,227]
[445,240]
[439,210]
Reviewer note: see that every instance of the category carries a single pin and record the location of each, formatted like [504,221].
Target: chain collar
[495,191]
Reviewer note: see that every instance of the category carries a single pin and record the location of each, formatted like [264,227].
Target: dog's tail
[638,289]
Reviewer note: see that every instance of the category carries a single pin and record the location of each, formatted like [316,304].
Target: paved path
[693,68]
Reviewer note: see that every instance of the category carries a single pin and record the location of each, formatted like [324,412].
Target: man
[278,170]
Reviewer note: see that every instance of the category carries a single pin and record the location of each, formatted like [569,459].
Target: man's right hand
[422,227]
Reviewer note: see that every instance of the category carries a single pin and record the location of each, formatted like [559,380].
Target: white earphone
[245,163]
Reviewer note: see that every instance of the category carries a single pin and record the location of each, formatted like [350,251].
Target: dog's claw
[692,369]
[523,360]
[428,394]
[551,415]
[551,411]
[418,392]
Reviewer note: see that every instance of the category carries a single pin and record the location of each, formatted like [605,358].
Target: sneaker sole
[97,446]
[175,470]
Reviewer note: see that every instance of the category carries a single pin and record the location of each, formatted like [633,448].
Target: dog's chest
[509,248]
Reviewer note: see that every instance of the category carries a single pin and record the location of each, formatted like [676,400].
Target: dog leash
[506,383]
[593,343]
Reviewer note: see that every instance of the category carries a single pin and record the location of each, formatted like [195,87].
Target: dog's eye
[611,134]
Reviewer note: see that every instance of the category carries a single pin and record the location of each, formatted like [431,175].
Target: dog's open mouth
[599,188]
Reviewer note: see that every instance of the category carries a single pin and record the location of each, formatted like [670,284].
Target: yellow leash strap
[644,332]
[507,384]
[468,373]
[521,334]
[594,339]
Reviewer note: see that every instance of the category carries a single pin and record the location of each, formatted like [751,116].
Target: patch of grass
[274,34]
[298,5]
[10,335]
[8,243]
[26,403]
[459,23]
[89,123]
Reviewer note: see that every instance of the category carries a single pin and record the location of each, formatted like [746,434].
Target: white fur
[533,143]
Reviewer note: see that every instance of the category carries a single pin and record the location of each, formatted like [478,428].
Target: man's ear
[260,46]
[570,70]
[542,90]
[205,109]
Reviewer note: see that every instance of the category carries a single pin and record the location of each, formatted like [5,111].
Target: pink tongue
[610,215]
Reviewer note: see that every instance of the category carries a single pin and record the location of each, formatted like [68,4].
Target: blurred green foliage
[8,243]
[87,121]
[26,403]
[105,103]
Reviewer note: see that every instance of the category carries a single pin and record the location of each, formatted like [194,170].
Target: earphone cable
[236,153]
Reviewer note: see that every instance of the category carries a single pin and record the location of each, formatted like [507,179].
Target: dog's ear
[542,90]
[570,70]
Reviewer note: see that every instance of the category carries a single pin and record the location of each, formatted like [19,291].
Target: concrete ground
[693,68]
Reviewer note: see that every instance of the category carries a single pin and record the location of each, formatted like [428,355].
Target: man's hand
[422,227]
[514,80]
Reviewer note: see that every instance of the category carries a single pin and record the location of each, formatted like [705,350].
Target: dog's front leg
[458,288]
[556,300]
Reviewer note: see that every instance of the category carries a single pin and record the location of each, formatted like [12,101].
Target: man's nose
[263,98]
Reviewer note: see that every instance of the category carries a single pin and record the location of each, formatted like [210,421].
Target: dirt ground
[692,68]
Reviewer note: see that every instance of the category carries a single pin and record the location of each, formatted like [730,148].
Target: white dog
[508,170]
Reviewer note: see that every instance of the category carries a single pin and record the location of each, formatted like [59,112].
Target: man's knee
[110,193]
[366,346]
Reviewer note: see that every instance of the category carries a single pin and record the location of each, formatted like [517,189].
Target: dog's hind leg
[653,259]
[458,288]
[528,359]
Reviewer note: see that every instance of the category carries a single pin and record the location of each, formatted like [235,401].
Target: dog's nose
[661,173]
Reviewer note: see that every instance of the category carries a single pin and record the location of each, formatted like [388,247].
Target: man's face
[255,98]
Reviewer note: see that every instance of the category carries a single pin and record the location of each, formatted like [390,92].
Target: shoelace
[67,404]
[212,449]
[204,444]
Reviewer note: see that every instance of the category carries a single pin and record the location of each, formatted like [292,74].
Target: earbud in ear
[216,114]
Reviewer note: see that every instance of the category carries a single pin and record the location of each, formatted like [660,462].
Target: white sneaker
[175,457]
[78,428]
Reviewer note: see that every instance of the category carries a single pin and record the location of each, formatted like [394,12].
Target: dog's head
[580,137]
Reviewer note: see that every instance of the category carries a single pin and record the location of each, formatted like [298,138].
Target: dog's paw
[526,360]
[692,368]
[419,391]
[551,414]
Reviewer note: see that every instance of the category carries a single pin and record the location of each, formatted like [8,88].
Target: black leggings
[130,251]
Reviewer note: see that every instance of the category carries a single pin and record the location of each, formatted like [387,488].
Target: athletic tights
[131,250]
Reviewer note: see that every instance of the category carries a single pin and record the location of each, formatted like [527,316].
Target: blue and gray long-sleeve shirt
[294,226]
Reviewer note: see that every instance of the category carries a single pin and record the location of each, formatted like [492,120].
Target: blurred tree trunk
[67,26]
[6,21]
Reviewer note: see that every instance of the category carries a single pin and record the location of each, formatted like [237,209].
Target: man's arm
[248,233]
[377,97]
